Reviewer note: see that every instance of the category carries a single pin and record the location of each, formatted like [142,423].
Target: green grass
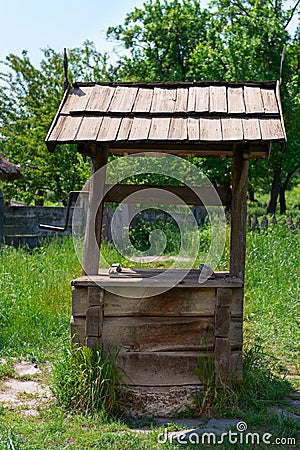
[35,313]
[36,298]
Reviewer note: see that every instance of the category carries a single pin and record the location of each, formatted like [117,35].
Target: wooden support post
[240,166]
[92,242]
[222,337]
[94,317]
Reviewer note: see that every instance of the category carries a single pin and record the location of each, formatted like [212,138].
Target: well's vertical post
[92,242]
[240,165]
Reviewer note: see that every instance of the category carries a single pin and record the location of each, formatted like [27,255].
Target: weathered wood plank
[123,99]
[175,302]
[77,327]
[79,301]
[68,129]
[191,99]
[271,129]
[167,368]
[269,101]
[193,129]
[253,100]
[237,302]
[109,129]
[224,297]
[77,99]
[163,334]
[124,129]
[181,100]
[222,361]
[94,321]
[251,129]
[217,99]
[210,129]
[222,321]
[89,128]
[159,128]
[163,100]
[232,129]
[158,334]
[201,99]
[178,129]
[143,100]
[100,98]
[140,128]
[190,195]
[236,104]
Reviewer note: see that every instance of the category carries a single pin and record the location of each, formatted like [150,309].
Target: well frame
[160,337]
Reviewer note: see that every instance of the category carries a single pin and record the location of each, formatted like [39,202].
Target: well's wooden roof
[131,115]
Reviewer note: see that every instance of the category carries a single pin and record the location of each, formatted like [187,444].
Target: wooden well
[160,337]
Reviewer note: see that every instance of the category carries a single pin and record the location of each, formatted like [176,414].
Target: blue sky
[36,24]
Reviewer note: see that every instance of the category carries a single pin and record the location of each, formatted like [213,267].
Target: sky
[36,24]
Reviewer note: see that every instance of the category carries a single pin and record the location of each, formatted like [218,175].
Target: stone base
[171,401]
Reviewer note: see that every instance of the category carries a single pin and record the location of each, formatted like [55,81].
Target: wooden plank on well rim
[217,99]
[124,129]
[232,129]
[251,129]
[178,129]
[269,101]
[100,98]
[89,128]
[253,100]
[271,129]
[123,99]
[143,100]
[193,126]
[163,100]
[236,104]
[210,129]
[140,128]
[109,129]
[159,128]
[174,302]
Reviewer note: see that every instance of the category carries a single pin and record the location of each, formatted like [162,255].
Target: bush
[87,380]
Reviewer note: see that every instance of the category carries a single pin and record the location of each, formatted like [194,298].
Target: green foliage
[261,388]
[87,380]
[29,99]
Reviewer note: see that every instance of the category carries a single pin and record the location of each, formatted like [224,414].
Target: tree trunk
[271,208]
[251,194]
[283,187]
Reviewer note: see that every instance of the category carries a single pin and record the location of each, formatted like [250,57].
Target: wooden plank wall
[160,337]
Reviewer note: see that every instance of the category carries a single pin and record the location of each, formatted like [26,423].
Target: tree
[238,40]
[29,99]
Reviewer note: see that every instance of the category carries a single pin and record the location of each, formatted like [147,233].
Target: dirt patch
[26,395]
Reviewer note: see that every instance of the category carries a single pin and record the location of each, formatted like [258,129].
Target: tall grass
[35,298]
[272,303]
